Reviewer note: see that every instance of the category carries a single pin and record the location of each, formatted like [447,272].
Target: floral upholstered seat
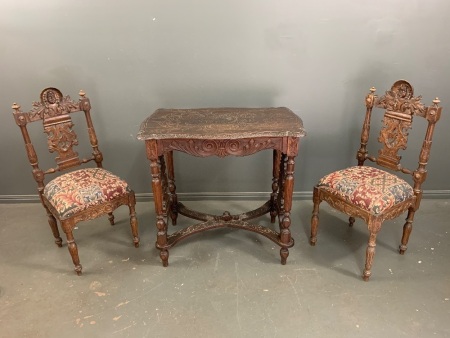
[371,189]
[76,191]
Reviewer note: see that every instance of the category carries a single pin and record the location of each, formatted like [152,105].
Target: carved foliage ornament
[52,104]
[400,105]
[222,148]
[61,138]
[393,136]
[58,126]
[401,99]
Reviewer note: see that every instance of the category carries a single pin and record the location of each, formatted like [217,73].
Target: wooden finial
[82,93]
[372,90]
[15,106]
[436,101]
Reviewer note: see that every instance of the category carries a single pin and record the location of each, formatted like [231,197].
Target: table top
[221,123]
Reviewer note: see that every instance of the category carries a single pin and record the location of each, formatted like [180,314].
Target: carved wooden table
[222,132]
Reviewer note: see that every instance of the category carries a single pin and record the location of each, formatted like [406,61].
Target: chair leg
[111,218]
[133,220]
[407,228]
[315,217]
[54,226]
[351,221]
[72,246]
[370,252]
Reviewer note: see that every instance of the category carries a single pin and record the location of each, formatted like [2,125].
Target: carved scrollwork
[37,112]
[371,220]
[214,224]
[222,148]
[52,104]
[400,99]
[61,139]
[344,206]
[93,211]
[394,137]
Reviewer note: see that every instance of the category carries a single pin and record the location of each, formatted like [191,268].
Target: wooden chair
[79,195]
[373,194]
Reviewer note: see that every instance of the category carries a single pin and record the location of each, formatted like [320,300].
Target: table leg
[281,182]
[161,237]
[172,188]
[165,201]
[285,233]
[275,185]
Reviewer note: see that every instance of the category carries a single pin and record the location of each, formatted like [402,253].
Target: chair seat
[74,192]
[369,188]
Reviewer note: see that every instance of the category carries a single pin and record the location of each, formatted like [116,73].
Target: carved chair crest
[400,106]
[54,111]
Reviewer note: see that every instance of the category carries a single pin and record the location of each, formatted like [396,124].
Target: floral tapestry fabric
[76,191]
[370,188]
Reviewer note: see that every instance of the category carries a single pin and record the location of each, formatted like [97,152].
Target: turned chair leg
[351,221]
[54,226]
[407,228]
[111,218]
[133,220]
[370,253]
[315,218]
[72,246]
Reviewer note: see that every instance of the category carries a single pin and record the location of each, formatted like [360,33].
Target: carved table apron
[222,132]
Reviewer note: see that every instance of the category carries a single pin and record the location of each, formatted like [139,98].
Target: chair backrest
[54,111]
[400,106]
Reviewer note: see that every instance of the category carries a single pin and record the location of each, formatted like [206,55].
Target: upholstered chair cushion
[76,191]
[369,188]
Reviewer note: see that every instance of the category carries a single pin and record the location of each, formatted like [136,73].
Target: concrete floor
[224,283]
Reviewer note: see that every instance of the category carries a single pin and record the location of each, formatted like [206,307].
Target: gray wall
[317,57]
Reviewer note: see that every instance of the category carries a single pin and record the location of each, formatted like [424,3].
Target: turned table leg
[163,175]
[172,188]
[275,178]
[281,182]
[161,237]
[285,233]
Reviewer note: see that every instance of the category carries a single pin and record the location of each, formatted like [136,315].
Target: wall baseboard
[141,197]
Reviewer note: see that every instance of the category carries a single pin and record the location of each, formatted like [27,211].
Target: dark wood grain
[221,123]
